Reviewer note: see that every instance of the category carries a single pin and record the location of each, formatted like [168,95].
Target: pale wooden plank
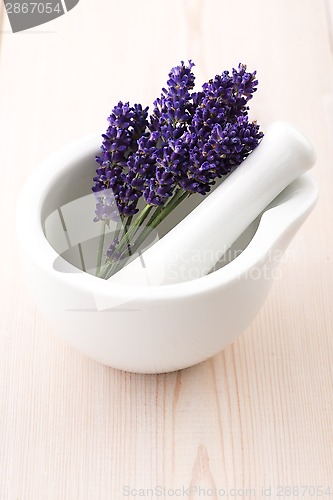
[258,414]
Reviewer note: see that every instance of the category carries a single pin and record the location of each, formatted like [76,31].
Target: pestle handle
[192,248]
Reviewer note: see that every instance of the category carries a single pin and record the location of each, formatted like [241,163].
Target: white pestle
[201,238]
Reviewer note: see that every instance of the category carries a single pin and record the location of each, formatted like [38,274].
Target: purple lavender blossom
[220,135]
[112,248]
[173,110]
[126,125]
[199,137]
[222,101]
[191,140]
[224,149]
[170,119]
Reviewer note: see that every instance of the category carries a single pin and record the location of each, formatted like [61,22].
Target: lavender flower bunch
[190,140]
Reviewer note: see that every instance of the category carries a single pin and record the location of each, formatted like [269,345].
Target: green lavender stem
[100,248]
[158,216]
[127,234]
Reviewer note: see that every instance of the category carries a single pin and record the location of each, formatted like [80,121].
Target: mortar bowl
[146,329]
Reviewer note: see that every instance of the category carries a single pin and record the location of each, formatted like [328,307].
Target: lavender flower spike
[191,140]
[126,125]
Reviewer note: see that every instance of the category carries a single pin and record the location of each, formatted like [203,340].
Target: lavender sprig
[114,195]
[190,140]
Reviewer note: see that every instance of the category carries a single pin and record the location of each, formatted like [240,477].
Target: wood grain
[259,414]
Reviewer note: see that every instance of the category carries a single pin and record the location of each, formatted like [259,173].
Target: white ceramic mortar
[156,328]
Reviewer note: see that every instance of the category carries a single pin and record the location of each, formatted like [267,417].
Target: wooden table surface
[258,415]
